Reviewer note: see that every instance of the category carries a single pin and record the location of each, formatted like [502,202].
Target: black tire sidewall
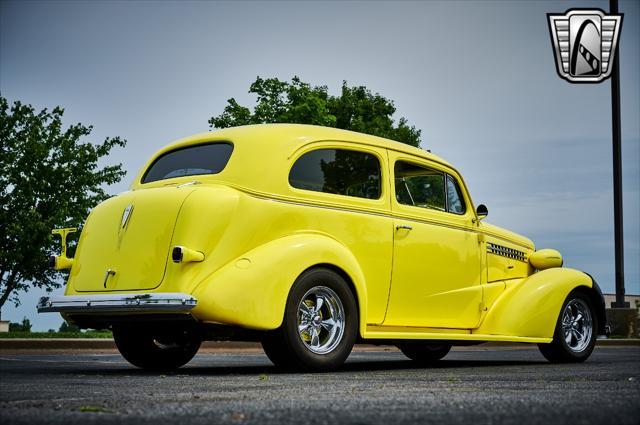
[137,346]
[301,355]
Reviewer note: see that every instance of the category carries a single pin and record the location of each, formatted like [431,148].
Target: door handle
[403,227]
[106,276]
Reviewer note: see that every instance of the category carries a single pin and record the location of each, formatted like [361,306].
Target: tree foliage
[49,178]
[67,327]
[356,108]
[25,326]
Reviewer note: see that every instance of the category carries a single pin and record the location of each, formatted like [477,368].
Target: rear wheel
[320,324]
[156,348]
[424,352]
[575,334]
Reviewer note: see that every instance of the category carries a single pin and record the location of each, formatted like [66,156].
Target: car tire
[157,349]
[575,333]
[320,324]
[276,351]
[424,352]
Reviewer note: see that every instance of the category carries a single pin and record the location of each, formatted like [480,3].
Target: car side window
[455,200]
[338,171]
[420,186]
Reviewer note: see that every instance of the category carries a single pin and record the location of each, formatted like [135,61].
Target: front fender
[251,291]
[530,307]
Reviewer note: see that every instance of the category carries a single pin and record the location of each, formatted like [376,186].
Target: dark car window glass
[419,186]
[454,197]
[338,171]
[210,158]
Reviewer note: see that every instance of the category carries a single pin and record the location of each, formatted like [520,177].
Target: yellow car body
[245,234]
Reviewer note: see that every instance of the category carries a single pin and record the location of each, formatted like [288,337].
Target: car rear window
[209,158]
[338,171]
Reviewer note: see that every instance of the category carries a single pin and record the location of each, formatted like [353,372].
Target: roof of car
[296,135]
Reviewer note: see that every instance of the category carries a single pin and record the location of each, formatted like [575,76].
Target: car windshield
[210,158]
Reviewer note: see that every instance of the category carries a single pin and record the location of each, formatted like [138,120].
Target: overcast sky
[478,78]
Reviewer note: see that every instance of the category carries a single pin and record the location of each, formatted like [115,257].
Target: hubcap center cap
[316,320]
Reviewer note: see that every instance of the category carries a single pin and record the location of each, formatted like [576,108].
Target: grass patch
[88,334]
[94,409]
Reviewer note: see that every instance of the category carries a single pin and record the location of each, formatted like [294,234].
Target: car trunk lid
[126,242]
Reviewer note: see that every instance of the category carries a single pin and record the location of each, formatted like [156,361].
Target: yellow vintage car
[310,239]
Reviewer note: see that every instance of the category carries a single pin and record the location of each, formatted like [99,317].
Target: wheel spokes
[328,324]
[321,318]
[303,327]
[577,325]
[579,335]
[577,319]
[319,303]
[568,336]
[305,309]
[315,337]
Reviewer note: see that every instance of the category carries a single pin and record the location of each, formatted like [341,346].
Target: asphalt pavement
[473,385]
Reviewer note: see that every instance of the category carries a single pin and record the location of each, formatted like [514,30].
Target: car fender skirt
[530,307]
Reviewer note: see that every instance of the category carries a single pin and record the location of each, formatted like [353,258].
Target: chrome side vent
[515,254]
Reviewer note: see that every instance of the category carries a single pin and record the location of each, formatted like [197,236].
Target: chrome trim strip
[118,303]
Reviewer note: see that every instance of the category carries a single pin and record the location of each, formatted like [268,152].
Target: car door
[436,276]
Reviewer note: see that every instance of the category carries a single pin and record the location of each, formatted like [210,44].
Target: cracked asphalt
[483,385]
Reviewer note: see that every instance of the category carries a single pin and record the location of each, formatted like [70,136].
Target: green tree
[356,108]
[49,178]
[66,327]
[25,326]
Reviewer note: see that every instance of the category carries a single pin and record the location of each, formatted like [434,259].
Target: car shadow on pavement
[211,369]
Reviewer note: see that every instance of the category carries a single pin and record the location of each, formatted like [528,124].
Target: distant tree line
[25,326]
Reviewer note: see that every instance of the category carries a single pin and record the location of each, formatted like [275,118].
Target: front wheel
[320,324]
[156,348]
[575,334]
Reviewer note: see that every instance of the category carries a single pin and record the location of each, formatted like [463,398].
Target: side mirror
[482,211]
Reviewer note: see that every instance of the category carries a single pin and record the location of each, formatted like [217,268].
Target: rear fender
[251,291]
[530,307]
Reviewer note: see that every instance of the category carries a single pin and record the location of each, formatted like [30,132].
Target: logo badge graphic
[585,43]
[126,215]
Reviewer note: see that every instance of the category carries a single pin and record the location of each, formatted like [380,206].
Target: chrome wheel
[577,325]
[321,320]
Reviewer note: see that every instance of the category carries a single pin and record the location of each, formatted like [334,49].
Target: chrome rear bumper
[168,302]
